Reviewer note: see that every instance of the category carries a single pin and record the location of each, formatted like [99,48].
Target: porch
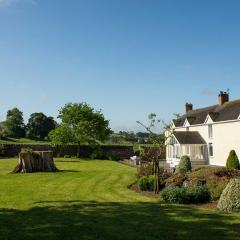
[190,144]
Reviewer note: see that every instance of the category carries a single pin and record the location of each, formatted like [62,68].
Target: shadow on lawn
[91,220]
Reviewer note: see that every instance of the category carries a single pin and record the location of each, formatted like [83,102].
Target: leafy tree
[80,124]
[14,123]
[3,130]
[39,125]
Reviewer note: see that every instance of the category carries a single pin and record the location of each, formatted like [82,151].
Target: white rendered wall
[226,137]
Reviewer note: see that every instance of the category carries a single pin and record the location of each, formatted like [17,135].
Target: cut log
[30,162]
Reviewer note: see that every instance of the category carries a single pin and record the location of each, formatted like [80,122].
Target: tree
[39,125]
[158,142]
[14,123]
[3,130]
[81,124]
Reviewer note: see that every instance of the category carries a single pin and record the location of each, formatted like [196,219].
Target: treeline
[80,123]
[38,126]
[124,137]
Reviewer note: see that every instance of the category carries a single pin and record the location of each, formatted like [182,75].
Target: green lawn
[90,200]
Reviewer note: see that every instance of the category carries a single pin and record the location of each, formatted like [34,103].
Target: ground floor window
[210,149]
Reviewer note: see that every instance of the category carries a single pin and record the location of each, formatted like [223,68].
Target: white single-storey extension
[206,135]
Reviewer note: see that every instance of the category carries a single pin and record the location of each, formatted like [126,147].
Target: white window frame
[210,149]
[210,131]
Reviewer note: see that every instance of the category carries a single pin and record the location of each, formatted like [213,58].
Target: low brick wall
[121,152]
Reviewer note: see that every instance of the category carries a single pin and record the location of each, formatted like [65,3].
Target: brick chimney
[223,97]
[188,107]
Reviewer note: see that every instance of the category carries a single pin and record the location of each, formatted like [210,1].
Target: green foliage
[81,124]
[98,153]
[173,195]
[186,195]
[26,150]
[232,161]
[3,130]
[39,125]
[146,183]
[184,165]
[215,178]
[112,157]
[2,151]
[63,134]
[230,198]
[14,123]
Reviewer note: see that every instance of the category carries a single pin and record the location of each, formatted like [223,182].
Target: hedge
[117,152]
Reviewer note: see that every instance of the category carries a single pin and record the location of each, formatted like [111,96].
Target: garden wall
[119,151]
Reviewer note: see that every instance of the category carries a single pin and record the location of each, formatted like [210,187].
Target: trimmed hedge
[186,195]
[230,198]
[184,165]
[232,161]
[146,183]
[116,152]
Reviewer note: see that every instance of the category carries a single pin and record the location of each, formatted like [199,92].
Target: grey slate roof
[189,138]
[228,111]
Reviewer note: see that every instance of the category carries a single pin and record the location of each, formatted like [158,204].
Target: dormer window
[210,131]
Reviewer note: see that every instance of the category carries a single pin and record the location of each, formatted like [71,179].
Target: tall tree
[14,123]
[80,124]
[39,125]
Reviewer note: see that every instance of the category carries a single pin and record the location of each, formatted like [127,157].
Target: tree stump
[30,162]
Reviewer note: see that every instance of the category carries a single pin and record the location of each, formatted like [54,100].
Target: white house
[206,135]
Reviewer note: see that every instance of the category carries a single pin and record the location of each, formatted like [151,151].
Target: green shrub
[146,183]
[232,161]
[215,178]
[67,156]
[137,153]
[173,195]
[98,154]
[198,194]
[186,195]
[230,198]
[184,165]
[112,157]
[216,186]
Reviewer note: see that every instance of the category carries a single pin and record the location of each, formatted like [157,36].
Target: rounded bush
[230,198]
[184,165]
[146,183]
[173,195]
[232,161]
[186,195]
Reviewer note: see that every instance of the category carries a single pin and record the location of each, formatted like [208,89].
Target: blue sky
[126,57]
